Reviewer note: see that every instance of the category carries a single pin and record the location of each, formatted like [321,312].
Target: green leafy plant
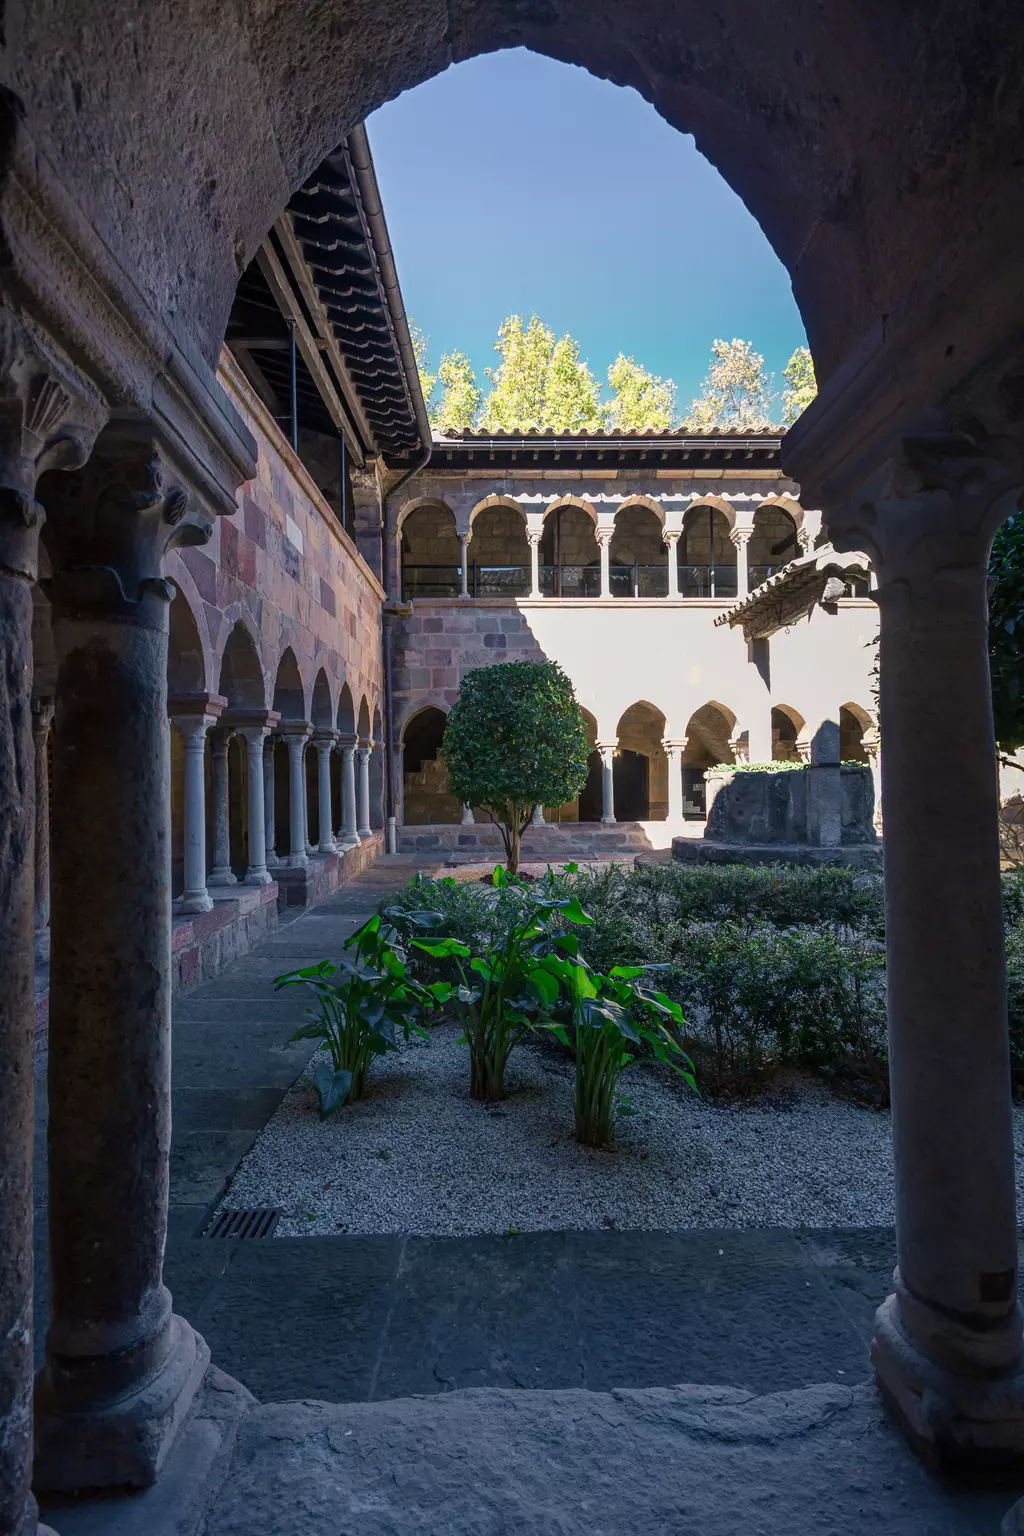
[614,1018]
[501,993]
[516,739]
[364,1004]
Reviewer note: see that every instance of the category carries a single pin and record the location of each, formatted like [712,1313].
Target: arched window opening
[640,767]
[427,800]
[786,728]
[708,736]
[378,808]
[638,562]
[587,807]
[431,554]
[570,560]
[853,722]
[499,554]
[707,556]
[773,544]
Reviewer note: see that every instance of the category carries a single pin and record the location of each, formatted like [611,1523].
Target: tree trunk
[514,838]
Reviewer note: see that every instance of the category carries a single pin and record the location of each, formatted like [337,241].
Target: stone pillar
[468,819]
[671,542]
[464,564]
[673,753]
[607,751]
[39,407]
[254,726]
[534,542]
[324,741]
[269,804]
[824,788]
[220,791]
[947,1349]
[349,818]
[193,717]
[604,538]
[42,717]
[872,743]
[363,828]
[121,1370]
[296,735]
[537,819]
[741,538]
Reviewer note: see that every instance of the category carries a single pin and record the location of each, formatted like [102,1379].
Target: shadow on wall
[822,803]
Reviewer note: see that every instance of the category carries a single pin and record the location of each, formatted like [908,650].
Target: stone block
[433,626]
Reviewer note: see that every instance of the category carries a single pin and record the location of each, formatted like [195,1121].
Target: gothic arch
[241,679]
[346,716]
[322,708]
[186,660]
[289,692]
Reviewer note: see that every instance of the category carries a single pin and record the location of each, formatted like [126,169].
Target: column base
[345,843]
[297,861]
[608,821]
[364,833]
[968,1427]
[330,847]
[222,877]
[258,877]
[127,1440]
[193,901]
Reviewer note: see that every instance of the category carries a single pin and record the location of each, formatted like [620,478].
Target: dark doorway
[590,794]
[631,779]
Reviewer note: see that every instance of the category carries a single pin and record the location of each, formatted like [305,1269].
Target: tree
[420,344]
[460,394]
[640,403]
[571,393]
[736,396]
[801,384]
[1006,634]
[516,739]
[516,400]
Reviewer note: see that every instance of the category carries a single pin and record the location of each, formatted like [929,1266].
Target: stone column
[324,741]
[253,726]
[604,539]
[42,717]
[468,819]
[872,743]
[741,538]
[296,736]
[363,751]
[534,542]
[537,819]
[121,1370]
[464,564]
[269,804]
[824,788]
[947,1348]
[349,819]
[220,793]
[607,751]
[193,717]
[40,407]
[671,542]
[673,752]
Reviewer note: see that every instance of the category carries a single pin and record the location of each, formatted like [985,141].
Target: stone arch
[854,724]
[588,806]
[706,742]
[186,660]
[498,552]
[497,500]
[322,709]
[774,542]
[718,504]
[426,799]
[421,504]
[569,552]
[580,502]
[640,769]
[650,502]
[346,717]
[637,554]
[363,725]
[706,553]
[289,692]
[430,549]
[790,739]
[241,676]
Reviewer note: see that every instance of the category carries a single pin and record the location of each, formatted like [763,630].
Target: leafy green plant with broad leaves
[516,739]
[364,1005]
[615,1022]
[501,993]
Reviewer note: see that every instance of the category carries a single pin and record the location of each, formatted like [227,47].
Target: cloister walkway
[575,1318]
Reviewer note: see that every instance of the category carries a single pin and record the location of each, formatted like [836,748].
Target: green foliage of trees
[516,739]
[572,396]
[640,402]
[420,343]
[460,394]
[801,385]
[1006,633]
[737,395]
[518,385]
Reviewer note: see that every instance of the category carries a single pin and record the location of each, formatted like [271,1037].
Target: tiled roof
[791,592]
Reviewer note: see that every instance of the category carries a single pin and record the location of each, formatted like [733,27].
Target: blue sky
[516,184]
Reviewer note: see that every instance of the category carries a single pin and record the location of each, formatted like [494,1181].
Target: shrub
[515,739]
[363,1004]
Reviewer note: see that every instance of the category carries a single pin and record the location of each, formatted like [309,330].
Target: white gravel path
[417,1155]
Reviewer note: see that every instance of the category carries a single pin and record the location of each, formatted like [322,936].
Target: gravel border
[417,1155]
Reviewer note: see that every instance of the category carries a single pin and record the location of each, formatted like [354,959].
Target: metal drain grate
[255,1222]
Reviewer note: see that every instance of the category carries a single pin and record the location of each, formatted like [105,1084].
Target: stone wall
[785,808]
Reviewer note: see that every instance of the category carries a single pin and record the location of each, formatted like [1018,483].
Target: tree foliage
[420,343]
[801,385]
[1006,633]
[640,402]
[736,396]
[460,394]
[518,385]
[572,396]
[516,739]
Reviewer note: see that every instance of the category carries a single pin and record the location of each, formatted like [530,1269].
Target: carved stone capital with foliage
[49,416]
[111,524]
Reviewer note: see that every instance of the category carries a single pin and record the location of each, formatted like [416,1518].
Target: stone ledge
[301,888]
[691,850]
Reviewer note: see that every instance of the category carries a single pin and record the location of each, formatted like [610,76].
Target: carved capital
[740,537]
[929,514]
[111,524]
[49,416]
[604,535]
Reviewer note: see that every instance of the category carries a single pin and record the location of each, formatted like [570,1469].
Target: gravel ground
[417,1155]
